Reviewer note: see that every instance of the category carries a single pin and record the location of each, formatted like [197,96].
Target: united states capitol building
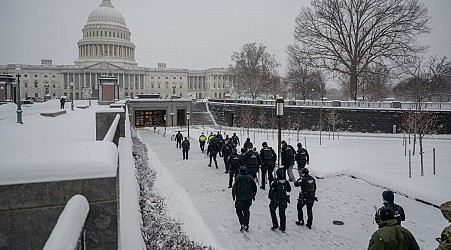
[106,48]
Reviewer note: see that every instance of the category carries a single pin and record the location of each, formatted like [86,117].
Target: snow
[70,224]
[376,162]
[198,195]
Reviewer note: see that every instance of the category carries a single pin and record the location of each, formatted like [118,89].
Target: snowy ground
[198,195]
[376,159]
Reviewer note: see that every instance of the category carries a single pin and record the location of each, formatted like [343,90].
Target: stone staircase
[200,114]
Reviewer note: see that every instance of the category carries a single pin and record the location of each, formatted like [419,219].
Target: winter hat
[280,173]
[304,171]
[299,145]
[243,170]
[385,213]
[264,144]
[283,142]
[388,196]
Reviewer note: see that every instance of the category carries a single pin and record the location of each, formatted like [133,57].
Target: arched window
[216,95]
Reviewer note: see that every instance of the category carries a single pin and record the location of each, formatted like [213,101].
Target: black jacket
[308,188]
[179,136]
[288,153]
[302,155]
[185,144]
[213,148]
[244,188]
[251,159]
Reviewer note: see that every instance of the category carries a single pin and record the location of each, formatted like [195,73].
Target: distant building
[106,49]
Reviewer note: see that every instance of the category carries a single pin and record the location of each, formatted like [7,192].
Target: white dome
[106,13]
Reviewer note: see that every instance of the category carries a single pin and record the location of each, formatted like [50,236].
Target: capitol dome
[106,38]
[106,13]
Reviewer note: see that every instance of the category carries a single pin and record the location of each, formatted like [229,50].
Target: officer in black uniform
[234,165]
[306,197]
[243,192]
[279,199]
[268,158]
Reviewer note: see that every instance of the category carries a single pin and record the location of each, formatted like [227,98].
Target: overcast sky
[191,34]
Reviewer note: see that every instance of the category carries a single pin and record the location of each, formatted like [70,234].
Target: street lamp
[279,114]
[72,97]
[187,118]
[164,123]
[19,104]
[172,119]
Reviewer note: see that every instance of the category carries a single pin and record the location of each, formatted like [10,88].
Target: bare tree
[247,119]
[255,69]
[334,119]
[346,36]
[374,84]
[303,79]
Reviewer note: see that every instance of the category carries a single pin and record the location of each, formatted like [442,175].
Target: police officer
[288,153]
[235,140]
[306,197]
[388,200]
[248,144]
[279,199]
[302,158]
[268,157]
[202,140]
[212,151]
[243,192]
[185,148]
[233,162]
[178,139]
[252,162]
[226,152]
[445,237]
[390,234]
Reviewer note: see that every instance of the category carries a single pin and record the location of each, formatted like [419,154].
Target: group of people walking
[243,167]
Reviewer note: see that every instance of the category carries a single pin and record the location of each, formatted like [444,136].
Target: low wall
[105,118]
[351,119]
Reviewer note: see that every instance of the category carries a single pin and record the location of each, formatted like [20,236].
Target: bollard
[410,164]
[433,161]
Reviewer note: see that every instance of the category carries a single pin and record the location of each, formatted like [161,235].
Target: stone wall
[349,119]
[104,119]
[28,212]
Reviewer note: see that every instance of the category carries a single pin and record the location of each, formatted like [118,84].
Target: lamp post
[72,97]
[19,104]
[164,123]
[172,119]
[187,118]
[279,114]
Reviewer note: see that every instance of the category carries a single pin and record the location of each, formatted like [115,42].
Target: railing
[112,134]
[345,104]
[69,231]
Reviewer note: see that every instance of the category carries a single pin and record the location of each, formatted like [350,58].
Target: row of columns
[81,80]
[94,50]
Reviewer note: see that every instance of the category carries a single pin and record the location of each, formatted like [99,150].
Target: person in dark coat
[220,141]
[226,152]
[268,158]
[178,140]
[212,151]
[279,199]
[306,197]
[248,144]
[302,158]
[235,140]
[391,235]
[243,192]
[252,162]
[388,198]
[62,102]
[234,164]
[185,148]
[288,153]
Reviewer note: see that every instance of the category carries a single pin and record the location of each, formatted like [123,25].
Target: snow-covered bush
[159,230]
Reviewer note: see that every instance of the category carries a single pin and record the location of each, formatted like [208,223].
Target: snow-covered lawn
[193,191]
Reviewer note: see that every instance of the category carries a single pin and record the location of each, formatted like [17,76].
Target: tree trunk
[353,84]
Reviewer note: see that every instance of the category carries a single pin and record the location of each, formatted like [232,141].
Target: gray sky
[192,34]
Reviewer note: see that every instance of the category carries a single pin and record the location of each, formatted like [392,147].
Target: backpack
[267,154]
[253,161]
[301,155]
[234,161]
[289,152]
[279,191]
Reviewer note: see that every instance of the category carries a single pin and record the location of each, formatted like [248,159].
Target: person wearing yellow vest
[202,140]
